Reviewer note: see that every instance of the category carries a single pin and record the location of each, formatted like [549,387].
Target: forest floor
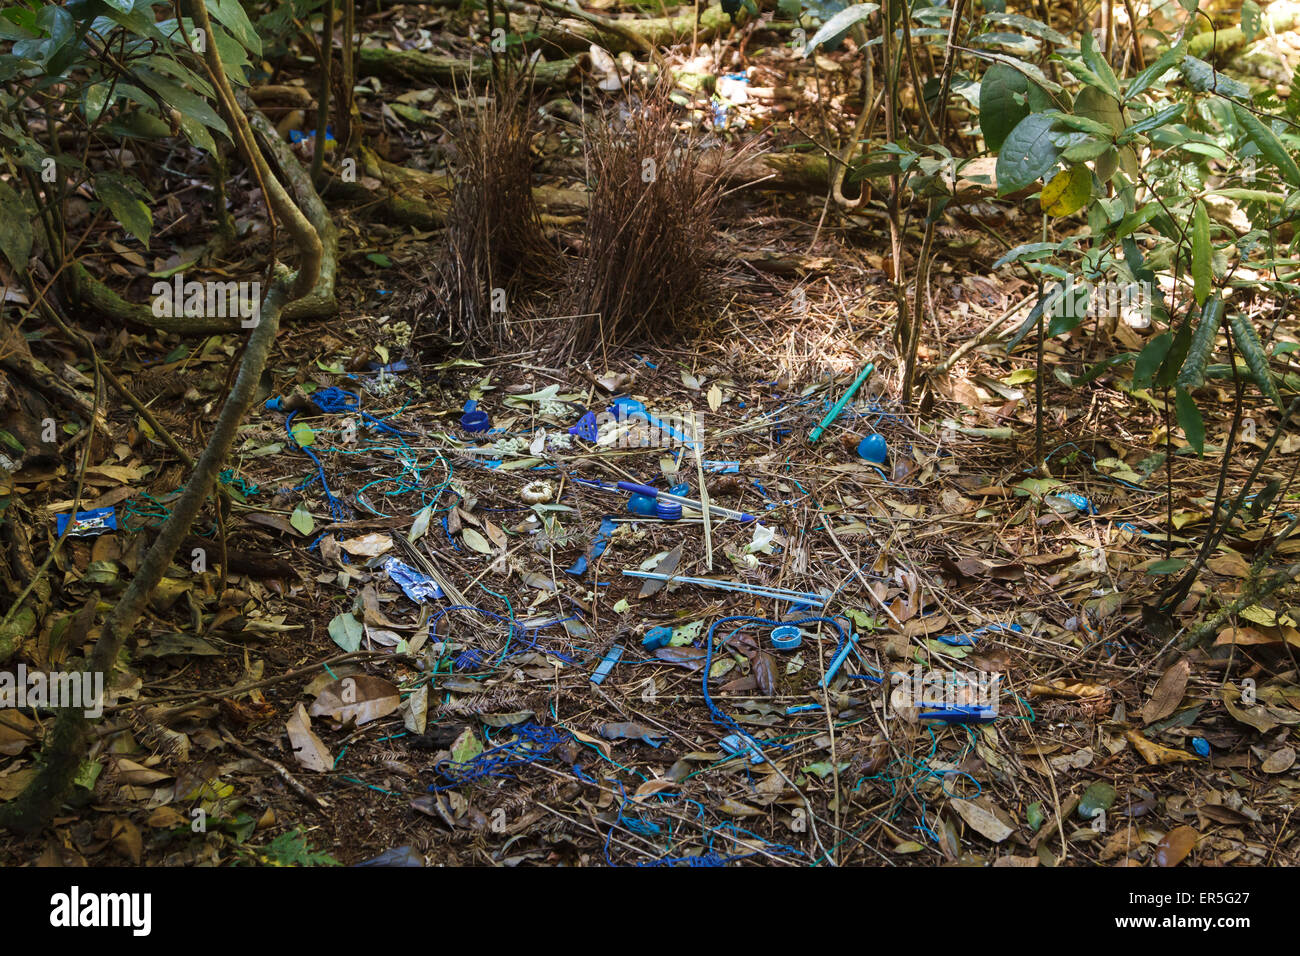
[467,729]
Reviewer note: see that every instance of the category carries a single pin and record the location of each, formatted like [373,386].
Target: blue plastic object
[87,524]
[873,449]
[474,421]
[736,745]
[656,638]
[786,637]
[671,510]
[975,714]
[1201,746]
[587,428]
[417,586]
[626,408]
[643,505]
[607,664]
[968,640]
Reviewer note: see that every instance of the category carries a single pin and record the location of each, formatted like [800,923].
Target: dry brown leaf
[1175,845]
[1154,753]
[309,750]
[1168,693]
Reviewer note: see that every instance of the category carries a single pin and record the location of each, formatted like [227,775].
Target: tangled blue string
[474,658]
[718,716]
[532,743]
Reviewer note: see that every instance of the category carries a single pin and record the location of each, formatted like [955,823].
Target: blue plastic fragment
[968,640]
[417,586]
[297,135]
[838,660]
[1201,746]
[736,745]
[607,664]
[87,524]
[802,709]
[656,638]
[587,428]
[397,856]
[974,714]
[598,546]
[1079,501]
[722,467]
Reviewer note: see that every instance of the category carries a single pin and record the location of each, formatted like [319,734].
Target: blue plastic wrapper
[398,856]
[598,546]
[88,524]
[417,586]
[735,744]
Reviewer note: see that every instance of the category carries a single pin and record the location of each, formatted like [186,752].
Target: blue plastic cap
[786,637]
[873,449]
[475,421]
[275,404]
[642,505]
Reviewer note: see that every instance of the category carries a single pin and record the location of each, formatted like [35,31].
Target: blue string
[532,743]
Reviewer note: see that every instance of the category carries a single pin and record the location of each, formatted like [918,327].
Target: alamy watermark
[1131,301]
[208,299]
[55,690]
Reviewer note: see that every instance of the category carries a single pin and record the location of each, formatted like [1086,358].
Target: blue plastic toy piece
[587,428]
[643,505]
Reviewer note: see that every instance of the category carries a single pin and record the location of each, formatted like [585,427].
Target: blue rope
[532,743]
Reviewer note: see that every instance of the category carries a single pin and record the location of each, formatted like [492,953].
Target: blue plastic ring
[786,637]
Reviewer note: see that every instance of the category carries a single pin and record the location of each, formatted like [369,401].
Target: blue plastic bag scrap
[87,524]
[419,587]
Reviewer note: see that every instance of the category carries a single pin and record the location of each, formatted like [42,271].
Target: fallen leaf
[362,698]
[1279,761]
[310,752]
[1168,693]
[1175,845]
[981,819]
[1155,754]
[368,545]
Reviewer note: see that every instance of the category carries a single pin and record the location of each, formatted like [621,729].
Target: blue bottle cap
[786,637]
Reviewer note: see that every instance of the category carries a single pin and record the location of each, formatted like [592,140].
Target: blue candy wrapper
[417,586]
[88,524]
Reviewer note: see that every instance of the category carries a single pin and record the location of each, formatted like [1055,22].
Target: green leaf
[303,434]
[1192,374]
[1252,350]
[118,193]
[1067,192]
[1269,145]
[1148,362]
[1201,252]
[379,259]
[15,229]
[1189,420]
[999,109]
[837,27]
[302,520]
[1028,153]
[1159,68]
[230,14]
[346,632]
[1204,78]
[1167,566]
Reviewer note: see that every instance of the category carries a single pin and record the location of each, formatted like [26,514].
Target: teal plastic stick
[838,407]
